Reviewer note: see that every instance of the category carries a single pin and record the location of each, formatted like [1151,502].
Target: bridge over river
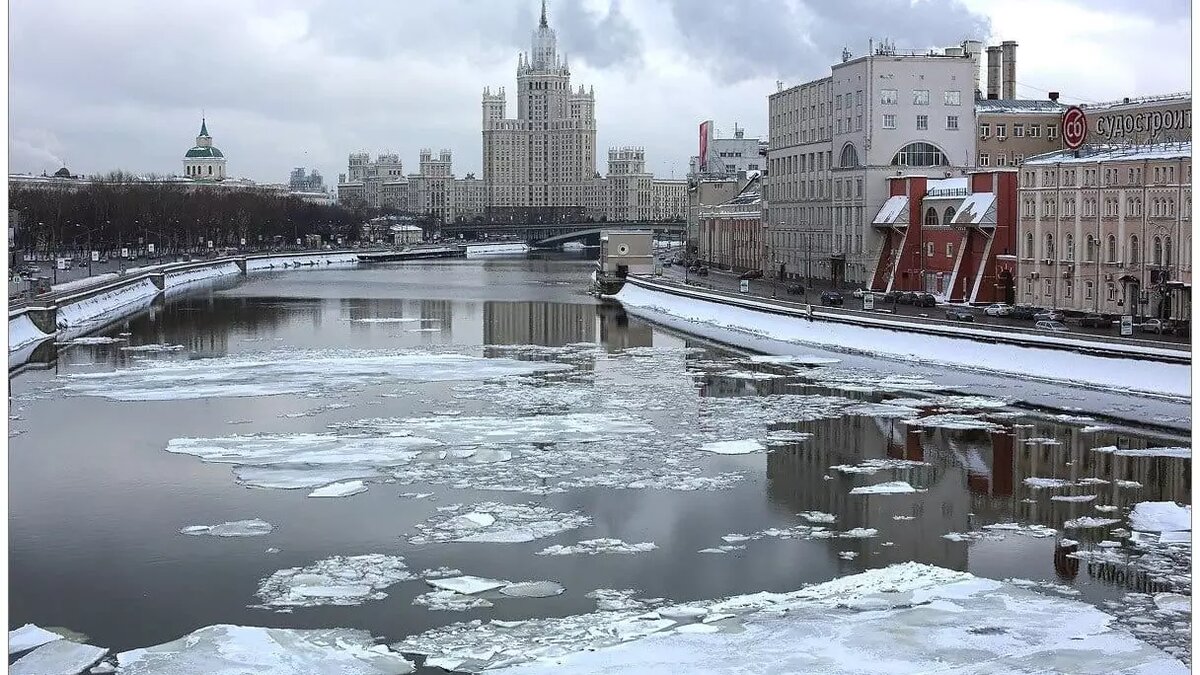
[545,235]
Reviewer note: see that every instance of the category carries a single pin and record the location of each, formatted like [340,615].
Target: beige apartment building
[1010,130]
[1108,230]
[731,233]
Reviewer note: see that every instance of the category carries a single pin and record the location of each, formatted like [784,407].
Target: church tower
[204,161]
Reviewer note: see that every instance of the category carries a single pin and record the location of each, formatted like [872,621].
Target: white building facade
[204,161]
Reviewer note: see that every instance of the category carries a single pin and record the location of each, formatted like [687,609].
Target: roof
[892,210]
[1019,105]
[199,151]
[1115,153]
[977,209]
[947,187]
[1164,99]
[203,127]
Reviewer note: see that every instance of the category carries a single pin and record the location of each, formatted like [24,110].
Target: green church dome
[203,152]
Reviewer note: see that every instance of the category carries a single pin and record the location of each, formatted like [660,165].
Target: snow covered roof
[943,187]
[405,228]
[1115,153]
[1019,106]
[1179,97]
[977,209]
[893,212]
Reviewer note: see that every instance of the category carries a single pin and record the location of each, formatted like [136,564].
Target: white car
[1052,326]
[859,292]
[998,309]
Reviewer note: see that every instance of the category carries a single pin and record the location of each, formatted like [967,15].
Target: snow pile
[235,650]
[493,522]
[86,282]
[22,331]
[890,488]
[1185,453]
[237,528]
[29,636]
[595,546]
[306,372]
[180,278]
[339,580]
[58,656]
[1161,517]
[113,301]
[1086,522]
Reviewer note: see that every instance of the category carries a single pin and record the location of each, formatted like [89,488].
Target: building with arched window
[204,161]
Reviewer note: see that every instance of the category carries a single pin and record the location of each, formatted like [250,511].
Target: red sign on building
[1074,127]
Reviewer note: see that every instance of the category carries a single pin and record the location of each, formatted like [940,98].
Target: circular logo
[1074,127]
[622,249]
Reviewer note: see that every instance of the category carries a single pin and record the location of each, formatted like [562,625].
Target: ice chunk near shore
[29,636]
[449,601]
[238,528]
[494,522]
[1084,522]
[343,489]
[339,580]
[58,657]
[817,516]
[890,488]
[467,585]
[236,650]
[742,447]
[595,546]
[1161,517]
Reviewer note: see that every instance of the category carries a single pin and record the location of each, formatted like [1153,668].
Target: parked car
[1048,315]
[956,314]
[859,292]
[1095,321]
[702,271]
[752,274]
[832,298]
[1026,312]
[1183,328]
[795,289]
[1156,326]
[907,298]
[891,296]
[998,309]
[667,263]
[925,300]
[1052,326]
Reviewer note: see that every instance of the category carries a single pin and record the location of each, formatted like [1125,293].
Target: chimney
[993,72]
[1054,96]
[972,48]
[1009,50]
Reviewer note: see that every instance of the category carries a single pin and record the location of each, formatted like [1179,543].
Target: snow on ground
[1161,517]
[265,263]
[292,372]
[740,447]
[595,546]
[238,528]
[493,522]
[29,636]
[112,301]
[22,332]
[890,488]
[58,657]
[339,580]
[904,618]
[236,650]
[205,272]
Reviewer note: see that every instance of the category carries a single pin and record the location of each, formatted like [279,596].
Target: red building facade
[952,237]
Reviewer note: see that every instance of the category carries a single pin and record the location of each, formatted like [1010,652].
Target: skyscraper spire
[543,22]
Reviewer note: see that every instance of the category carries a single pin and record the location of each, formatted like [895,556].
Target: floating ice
[787,436]
[532,589]
[390,319]
[1073,498]
[236,650]
[742,447]
[343,489]
[1129,484]
[1173,602]
[797,360]
[859,533]
[292,372]
[749,375]
[449,601]
[1185,453]
[467,585]
[595,546]
[863,380]
[817,516]
[871,466]
[339,580]
[1160,517]
[58,657]
[847,555]
[238,528]
[29,636]
[954,421]
[1042,483]
[497,523]
[96,340]
[153,348]
[887,409]
[1089,522]
[1029,529]
[890,488]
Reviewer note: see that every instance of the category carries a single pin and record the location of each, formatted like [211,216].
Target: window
[1029,245]
[837,104]
[1088,287]
[984,160]
[920,97]
[931,217]
[949,250]
[948,216]
[1035,131]
[1029,287]
[1068,288]
[929,249]
[1049,286]
[858,97]
[952,122]
[1001,159]
[1052,133]
[922,122]
[1018,158]
[985,131]
[1112,292]
[889,121]
[858,187]
[1018,131]
[858,123]
[1049,248]
[1070,247]
[1135,253]
[849,158]
[1001,131]
[920,154]
[1167,255]
[888,96]
[1090,250]
[1112,248]
[953,97]
[1158,251]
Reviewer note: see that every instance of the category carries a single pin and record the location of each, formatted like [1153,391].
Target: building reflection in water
[548,324]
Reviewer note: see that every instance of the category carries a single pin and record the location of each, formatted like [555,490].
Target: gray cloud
[792,39]
[1162,10]
[602,39]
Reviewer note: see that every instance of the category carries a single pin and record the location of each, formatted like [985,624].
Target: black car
[1095,321]
[752,274]
[832,298]
[702,271]
[925,300]
[1026,312]
[891,296]
[959,315]
[795,289]
[907,298]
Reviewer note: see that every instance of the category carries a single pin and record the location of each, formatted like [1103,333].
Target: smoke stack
[1054,96]
[993,72]
[973,48]
[1009,50]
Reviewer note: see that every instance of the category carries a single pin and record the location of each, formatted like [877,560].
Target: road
[766,288]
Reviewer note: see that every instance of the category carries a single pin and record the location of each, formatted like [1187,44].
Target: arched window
[1029,245]
[920,154]
[1070,243]
[1049,250]
[1158,251]
[1112,248]
[1090,250]
[949,216]
[1135,253]
[931,217]
[849,158]
[1167,256]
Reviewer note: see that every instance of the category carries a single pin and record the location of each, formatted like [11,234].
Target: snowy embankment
[22,331]
[86,282]
[476,250]
[76,313]
[285,261]
[1034,362]
[187,276]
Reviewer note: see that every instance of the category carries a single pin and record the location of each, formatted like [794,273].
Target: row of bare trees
[108,212]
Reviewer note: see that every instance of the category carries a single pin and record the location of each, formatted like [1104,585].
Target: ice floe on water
[94,340]
[238,528]
[904,618]
[467,585]
[797,360]
[153,348]
[339,580]
[954,421]
[457,594]
[342,489]
[739,447]
[292,372]
[532,589]
[29,636]
[237,650]
[450,601]
[1085,522]
[895,487]
[1160,517]
[494,522]
[817,517]
[872,466]
[58,657]
[1185,453]
[596,546]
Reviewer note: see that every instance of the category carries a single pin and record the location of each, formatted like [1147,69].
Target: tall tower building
[547,155]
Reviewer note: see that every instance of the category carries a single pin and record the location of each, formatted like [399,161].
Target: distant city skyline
[122,85]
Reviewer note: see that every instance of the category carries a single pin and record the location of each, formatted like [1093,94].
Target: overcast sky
[121,84]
